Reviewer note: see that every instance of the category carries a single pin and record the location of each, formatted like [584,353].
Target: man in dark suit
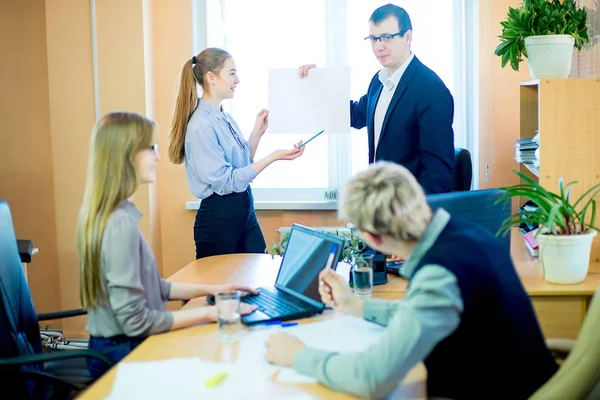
[408,110]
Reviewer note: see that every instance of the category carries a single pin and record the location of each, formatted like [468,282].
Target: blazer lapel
[402,85]
[374,96]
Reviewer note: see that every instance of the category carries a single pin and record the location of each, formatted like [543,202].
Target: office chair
[463,170]
[477,206]
[30,373]
[579,375]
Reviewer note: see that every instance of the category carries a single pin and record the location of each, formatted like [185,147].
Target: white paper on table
[252,351]
[308,105]
[183,378]
[341,335]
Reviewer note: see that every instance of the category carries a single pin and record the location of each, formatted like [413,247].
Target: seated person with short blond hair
[465,313]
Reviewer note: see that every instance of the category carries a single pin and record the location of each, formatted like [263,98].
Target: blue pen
[288,324]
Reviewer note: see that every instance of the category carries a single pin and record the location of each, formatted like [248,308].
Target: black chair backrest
[463,170]
[476,206]
[19,330]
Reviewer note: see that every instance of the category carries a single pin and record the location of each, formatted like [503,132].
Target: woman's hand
[336,293]
[282,348]
[212,312]
[288,154]
[231,287]
[303,70]
[262,122]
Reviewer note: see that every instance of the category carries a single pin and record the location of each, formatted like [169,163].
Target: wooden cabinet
[567,114]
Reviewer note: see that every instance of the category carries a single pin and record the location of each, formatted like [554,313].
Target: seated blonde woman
[465,313]
[120,287]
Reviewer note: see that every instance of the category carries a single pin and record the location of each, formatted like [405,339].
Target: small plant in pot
[566,228]
[545,32]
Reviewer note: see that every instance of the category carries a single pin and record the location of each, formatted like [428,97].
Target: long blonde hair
[112,177]
[193,71]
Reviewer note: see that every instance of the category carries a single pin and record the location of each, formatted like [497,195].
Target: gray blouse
[137,296]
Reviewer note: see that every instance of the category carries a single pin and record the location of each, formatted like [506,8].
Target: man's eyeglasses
[384,38]
[235,135]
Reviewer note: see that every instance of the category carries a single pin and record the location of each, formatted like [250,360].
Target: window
[265,34]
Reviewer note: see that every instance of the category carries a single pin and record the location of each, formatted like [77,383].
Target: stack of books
[525,151]
[532,243]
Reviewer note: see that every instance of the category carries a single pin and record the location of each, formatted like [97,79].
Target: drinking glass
[362,274]
[228,315]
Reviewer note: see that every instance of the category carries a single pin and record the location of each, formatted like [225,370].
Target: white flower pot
[565,259]
[549,56]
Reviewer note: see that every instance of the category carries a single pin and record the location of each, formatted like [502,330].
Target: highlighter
[215,380]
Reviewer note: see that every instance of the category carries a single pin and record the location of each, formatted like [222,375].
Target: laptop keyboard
[271,304]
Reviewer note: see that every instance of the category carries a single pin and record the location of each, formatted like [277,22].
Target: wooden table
[560,310]
[202,341]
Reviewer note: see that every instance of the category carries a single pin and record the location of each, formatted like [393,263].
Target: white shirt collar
[390,82]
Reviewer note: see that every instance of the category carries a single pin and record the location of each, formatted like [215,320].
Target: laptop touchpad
[255,316]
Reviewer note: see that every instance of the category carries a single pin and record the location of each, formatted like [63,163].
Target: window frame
[339,146]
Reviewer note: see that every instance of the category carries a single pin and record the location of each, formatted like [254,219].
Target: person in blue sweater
[465,314]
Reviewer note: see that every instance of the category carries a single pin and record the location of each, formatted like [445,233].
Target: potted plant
[566,229]
[352,246]
[545,32]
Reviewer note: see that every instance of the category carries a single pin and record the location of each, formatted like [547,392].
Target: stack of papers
[182,378]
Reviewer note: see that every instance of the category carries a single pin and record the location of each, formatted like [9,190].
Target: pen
[330,260]
[304,144]
[288,324]
[215,380]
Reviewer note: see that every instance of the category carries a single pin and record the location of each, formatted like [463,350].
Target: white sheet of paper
[342,335]
[308,105]
[183,378]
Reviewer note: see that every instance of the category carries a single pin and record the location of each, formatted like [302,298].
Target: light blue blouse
[217,156]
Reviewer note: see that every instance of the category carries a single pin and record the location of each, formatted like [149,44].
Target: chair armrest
[64,355]
[61,314]
[25,250]
[560,347]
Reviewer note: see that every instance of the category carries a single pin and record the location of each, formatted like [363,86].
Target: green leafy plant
[352,245]
[539,17]
[556,214]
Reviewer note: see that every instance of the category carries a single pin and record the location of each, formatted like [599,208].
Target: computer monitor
[477,206]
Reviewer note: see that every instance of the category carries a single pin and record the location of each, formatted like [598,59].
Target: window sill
[280,205]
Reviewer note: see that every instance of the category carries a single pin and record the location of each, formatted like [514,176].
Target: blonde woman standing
[120,286]
[219,161]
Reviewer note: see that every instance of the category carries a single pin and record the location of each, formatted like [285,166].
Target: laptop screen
[306,254]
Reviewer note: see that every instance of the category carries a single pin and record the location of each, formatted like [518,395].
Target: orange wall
[72,116]
[498,99]
[141,47]
[26,167]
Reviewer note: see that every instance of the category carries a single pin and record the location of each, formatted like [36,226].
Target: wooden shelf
[531,169]
[566,112]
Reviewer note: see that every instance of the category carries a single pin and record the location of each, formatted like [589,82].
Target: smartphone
[304,143]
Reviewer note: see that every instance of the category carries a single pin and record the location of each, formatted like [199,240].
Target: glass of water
[228,315]
[362,274]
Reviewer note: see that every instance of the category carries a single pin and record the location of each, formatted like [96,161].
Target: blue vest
[498,350]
